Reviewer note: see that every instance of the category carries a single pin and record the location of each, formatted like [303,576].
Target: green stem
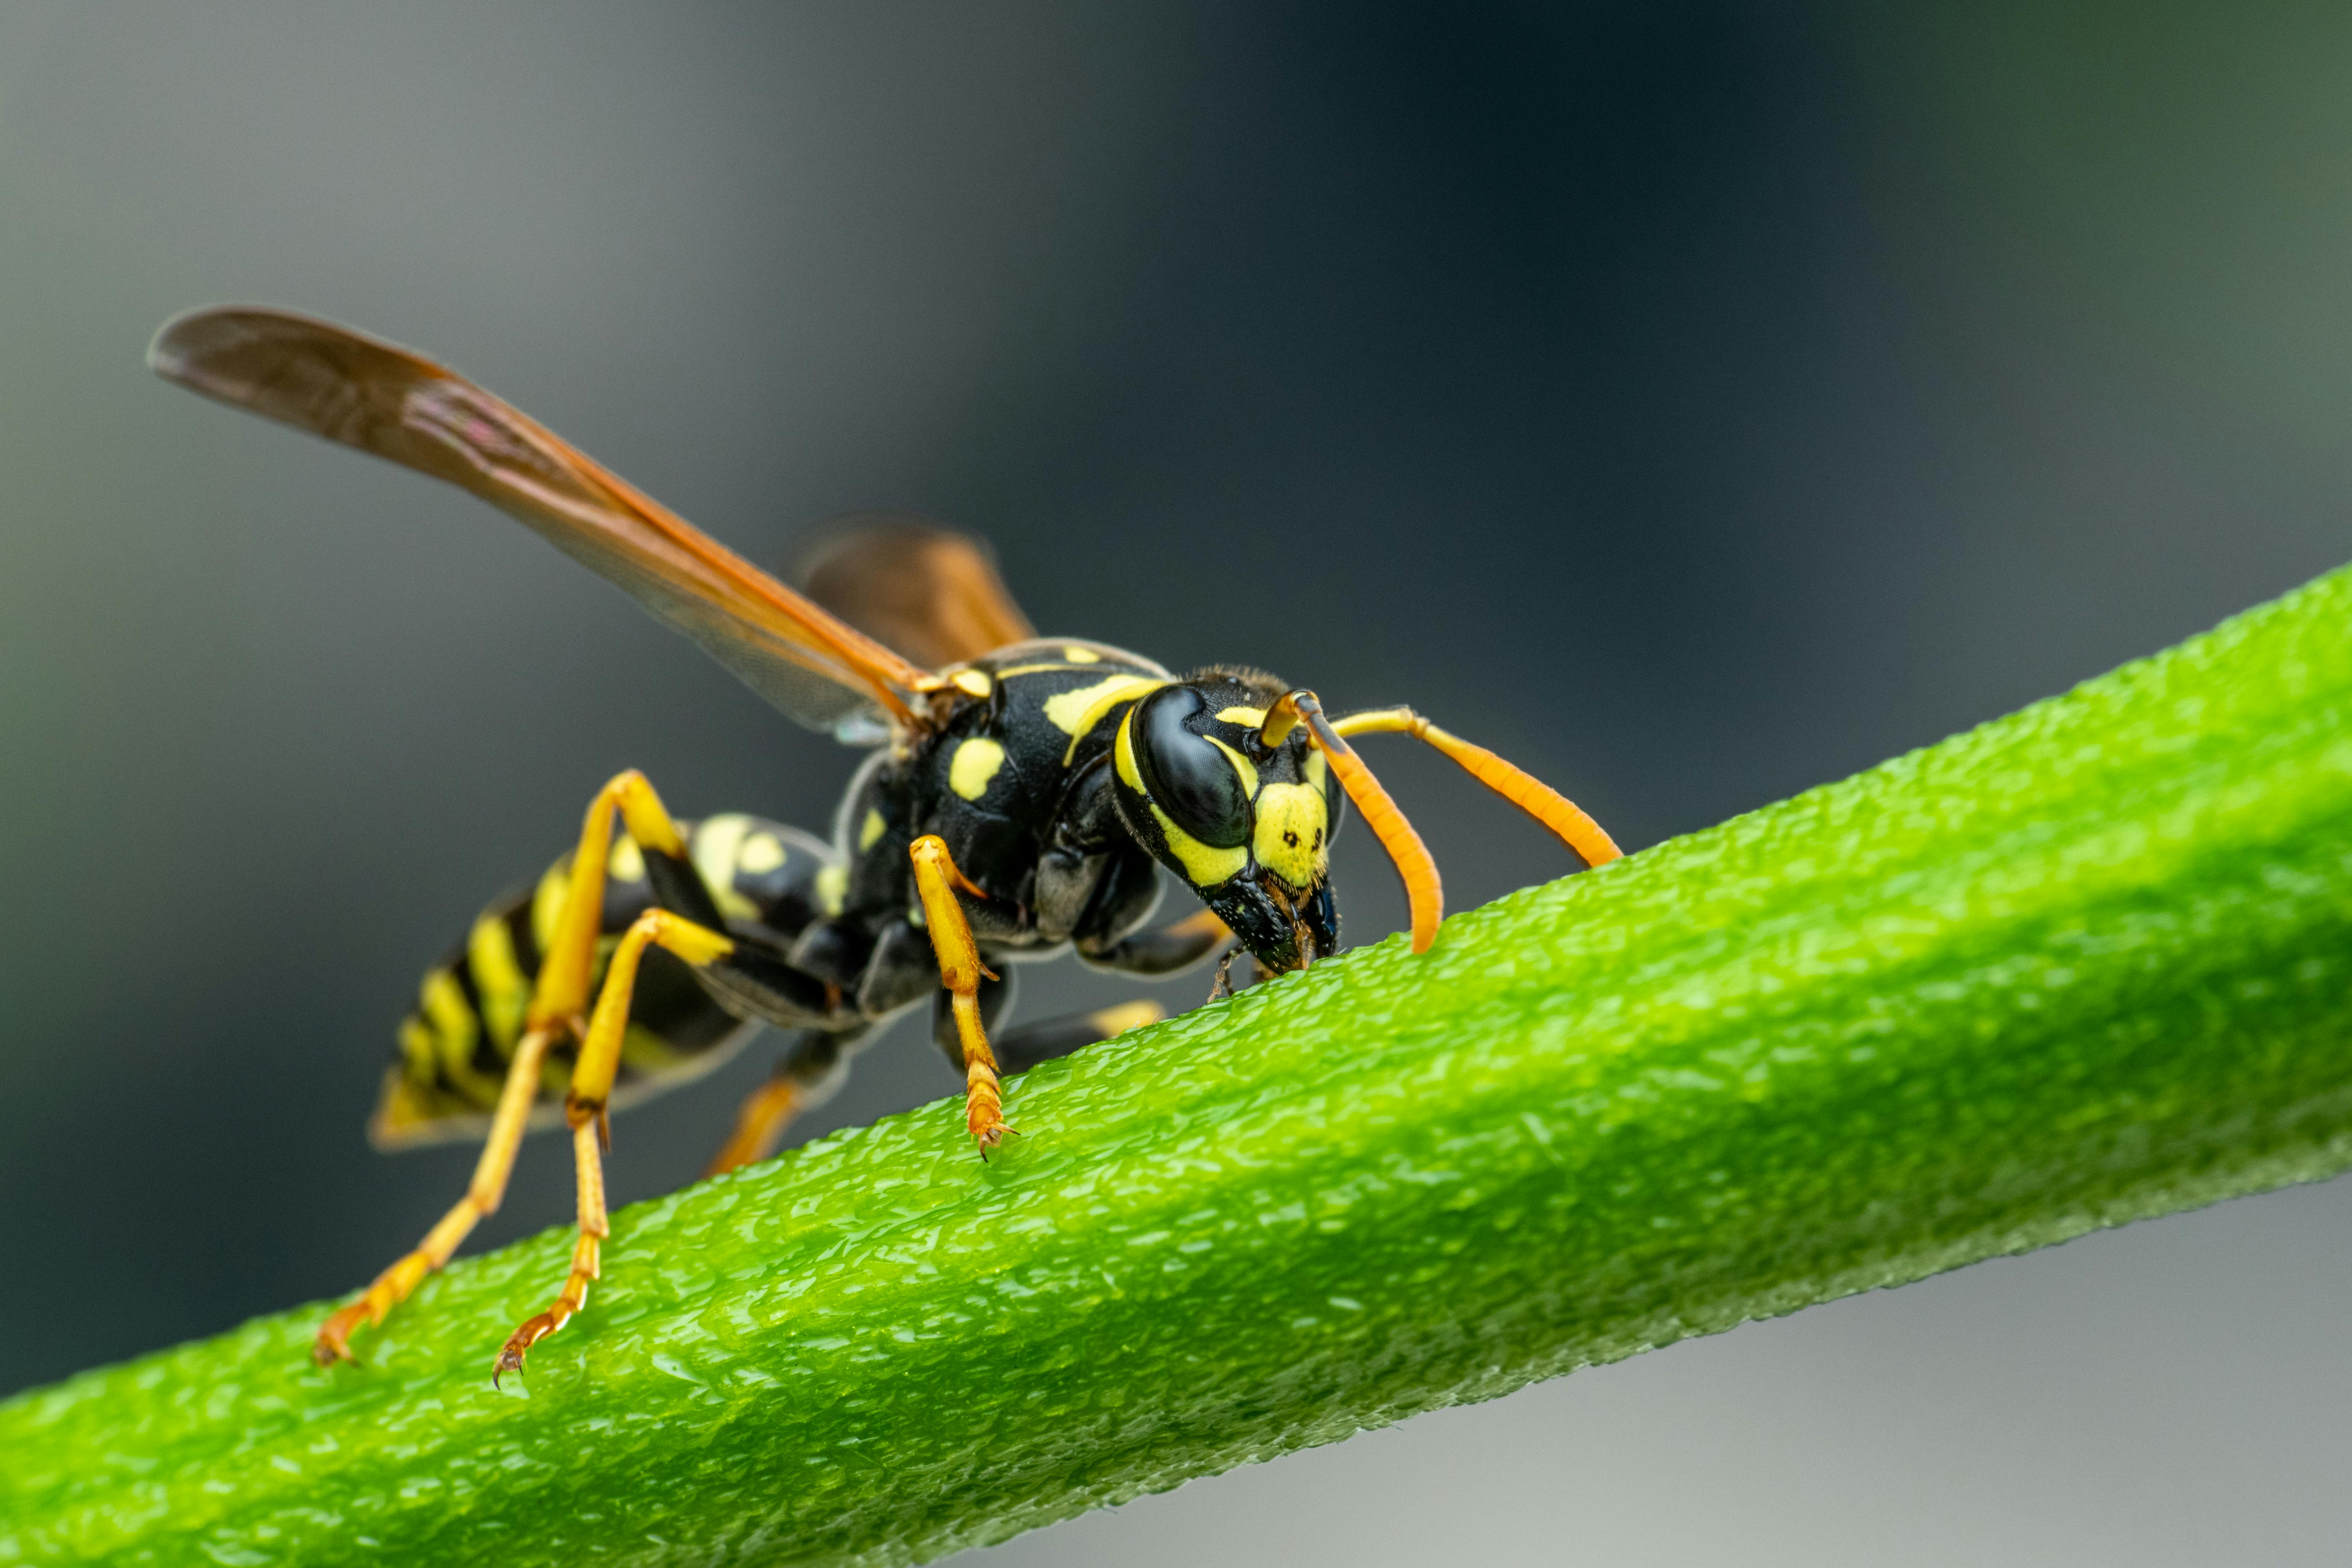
[2082,965]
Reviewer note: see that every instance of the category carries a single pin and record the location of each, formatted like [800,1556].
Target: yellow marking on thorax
[975,763]
[498,979]
[718,840]
[870,831]
[761,853]
[1076,712]
[1293,838]
[832,889]
[1253,717]
[1078,655]
[972,682]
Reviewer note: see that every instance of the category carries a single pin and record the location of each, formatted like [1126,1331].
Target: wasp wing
[383,399]
[932,593]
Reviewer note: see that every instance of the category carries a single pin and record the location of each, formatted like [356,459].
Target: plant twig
[2084,964]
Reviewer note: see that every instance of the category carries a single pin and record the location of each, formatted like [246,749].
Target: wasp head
[1248,826]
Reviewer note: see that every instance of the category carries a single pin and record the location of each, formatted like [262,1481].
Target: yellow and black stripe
[455,1047]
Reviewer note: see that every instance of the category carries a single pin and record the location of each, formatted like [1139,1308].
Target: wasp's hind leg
[584,1108]
[482,1197]
[559,995]
[812,1067]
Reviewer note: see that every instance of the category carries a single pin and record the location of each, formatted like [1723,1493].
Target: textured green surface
[2083,965]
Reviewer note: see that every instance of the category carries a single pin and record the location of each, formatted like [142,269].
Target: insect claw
[333,1342]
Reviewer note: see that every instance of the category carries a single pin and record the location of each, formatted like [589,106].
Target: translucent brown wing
[380,398]
[932,593]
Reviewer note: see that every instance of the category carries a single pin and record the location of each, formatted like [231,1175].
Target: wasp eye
[1191,778]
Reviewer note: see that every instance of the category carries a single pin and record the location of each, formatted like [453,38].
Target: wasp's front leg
[937,881]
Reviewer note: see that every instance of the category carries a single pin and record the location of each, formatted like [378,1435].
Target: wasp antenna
[1424,891]
[1570,821]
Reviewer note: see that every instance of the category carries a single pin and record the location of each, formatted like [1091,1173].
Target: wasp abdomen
[455,1047]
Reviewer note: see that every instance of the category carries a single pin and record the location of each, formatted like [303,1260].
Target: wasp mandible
[1022,793]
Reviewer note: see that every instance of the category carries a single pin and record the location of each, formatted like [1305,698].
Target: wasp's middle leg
[584,1108]
[811,1067]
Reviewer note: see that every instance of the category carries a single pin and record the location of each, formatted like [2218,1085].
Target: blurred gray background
[1694,402]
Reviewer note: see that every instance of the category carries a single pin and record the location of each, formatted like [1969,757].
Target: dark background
[1695,403]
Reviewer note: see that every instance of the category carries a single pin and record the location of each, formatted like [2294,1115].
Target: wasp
[1021,796]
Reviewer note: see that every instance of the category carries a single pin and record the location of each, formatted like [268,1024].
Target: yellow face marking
[499,981]
[870,831]
[761,853]
[627,862]
[1204,865]
[975,763]
[831,887]
[972,682]
[1078,655]
[1293,838]
[1253,717]
[717,842]
[1316,770]
[1076,712]
[1241,764]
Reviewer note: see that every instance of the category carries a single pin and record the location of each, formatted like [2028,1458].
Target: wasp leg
[558,998]
[1540,800]
[806,1075]
[482,1197]
[584,1108]
[1020,1050]
[937,881]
